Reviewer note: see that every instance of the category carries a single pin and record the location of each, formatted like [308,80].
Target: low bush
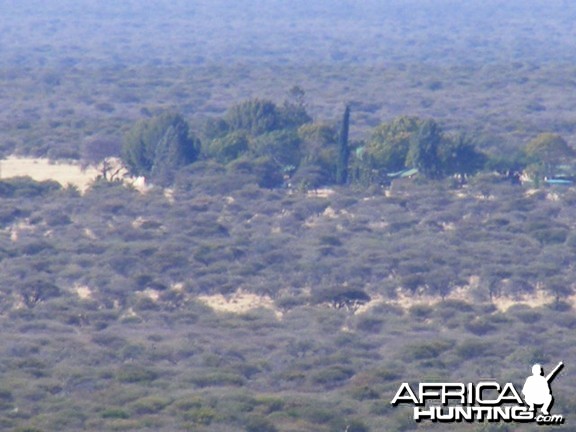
[136,374]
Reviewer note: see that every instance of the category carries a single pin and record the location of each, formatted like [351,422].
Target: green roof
[403,173]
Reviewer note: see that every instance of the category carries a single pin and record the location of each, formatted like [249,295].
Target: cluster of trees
[281,142]
[155,148]
[409,142]
[544,154]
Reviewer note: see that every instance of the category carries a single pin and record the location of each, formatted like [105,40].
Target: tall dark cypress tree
[344,149]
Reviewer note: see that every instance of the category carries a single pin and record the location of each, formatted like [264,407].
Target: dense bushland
[104,329]
[244,109]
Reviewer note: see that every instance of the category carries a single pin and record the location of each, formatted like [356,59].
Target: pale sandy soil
[84,292]
[43,169]
[502,303]
[64,173]
[320,193]
[240,302]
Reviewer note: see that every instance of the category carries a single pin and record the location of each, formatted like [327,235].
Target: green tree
[255,116]
[281,146]
[319,150]
[260,116]
[548,150]
[293,115]
[424,150]
[261,130]
[459,156]
[227,148]
[388,147]
[156,147]
[343,149]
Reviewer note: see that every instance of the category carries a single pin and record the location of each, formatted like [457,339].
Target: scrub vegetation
[374,177]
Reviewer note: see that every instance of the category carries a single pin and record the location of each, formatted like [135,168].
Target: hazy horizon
[416,31]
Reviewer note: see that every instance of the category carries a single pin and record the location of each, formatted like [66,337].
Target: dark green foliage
[282,147]
[389,144]
[459,156]
[259,138]
[228,147]
[546,151]
[319,151]
[408,142]
[423,152]
[254,117]
[293,114]
[343,149]
[257,116]
[156,147]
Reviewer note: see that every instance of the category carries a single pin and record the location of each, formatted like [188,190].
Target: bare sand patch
[240,302]
[538,299]
[320,193]
[44,169]
[84,292]
[66,173]
[502,303]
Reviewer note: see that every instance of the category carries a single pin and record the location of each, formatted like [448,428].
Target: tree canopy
[388,147]
[410,142]
[156,147]
[423,152]
[284,142]
[547,150]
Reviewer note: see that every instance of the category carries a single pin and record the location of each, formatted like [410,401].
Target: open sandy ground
[44,169]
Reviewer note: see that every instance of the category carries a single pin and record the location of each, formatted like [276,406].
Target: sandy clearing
[67,173]
[320,193]
[503,303]
[240,302]
[44,169]
[84,292]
